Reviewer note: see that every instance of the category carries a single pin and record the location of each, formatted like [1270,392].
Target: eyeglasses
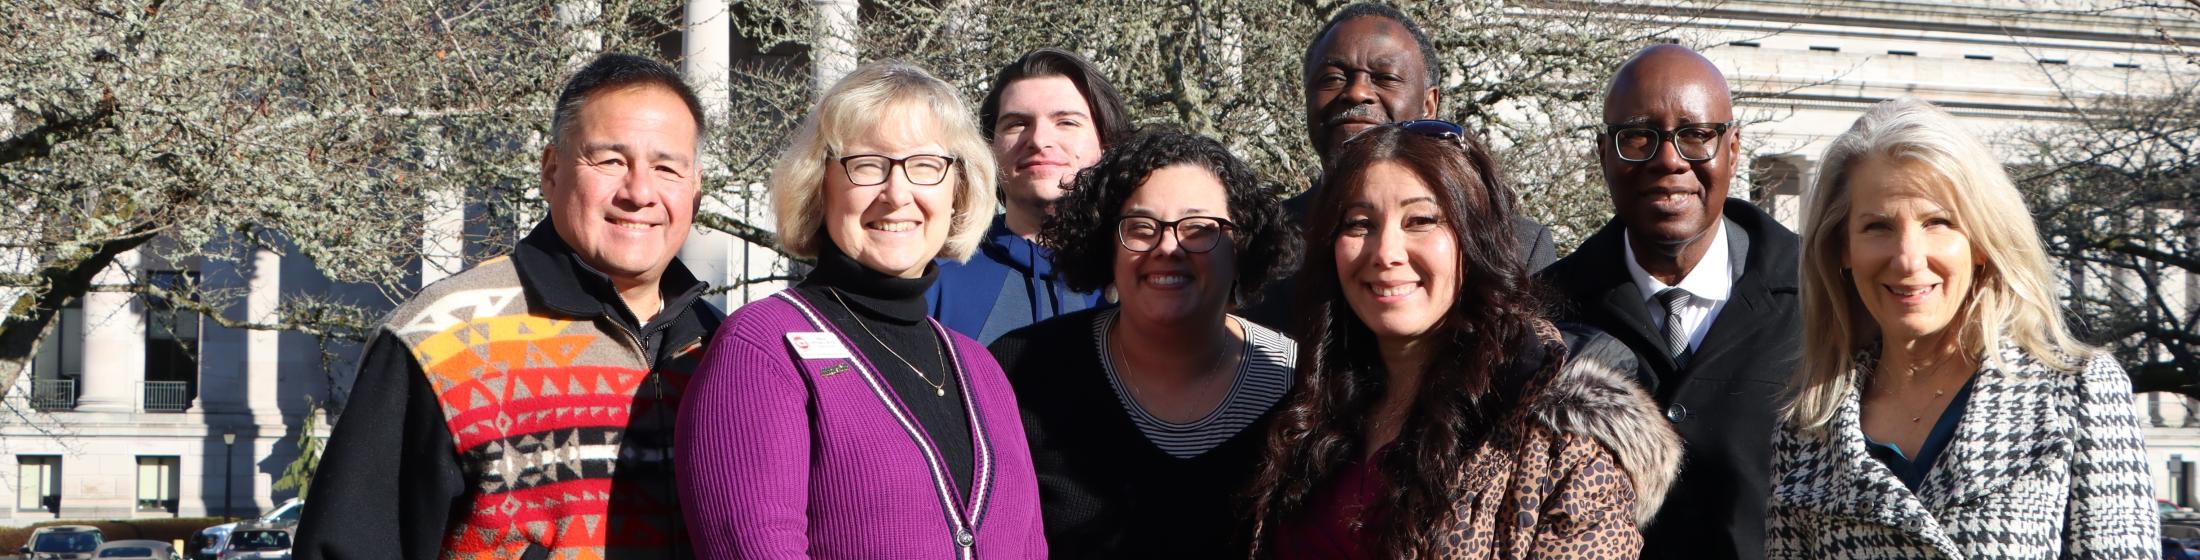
[1196,234]
[872,169]
[1694,142]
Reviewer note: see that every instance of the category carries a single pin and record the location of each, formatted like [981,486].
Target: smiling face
[1170,285]
[1044,135]
[1397,257]
[622,185]
[1365,72]
[1668,201]
[898,226]
[1908,257]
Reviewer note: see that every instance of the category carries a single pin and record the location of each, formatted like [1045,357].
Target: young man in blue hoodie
[1049,115]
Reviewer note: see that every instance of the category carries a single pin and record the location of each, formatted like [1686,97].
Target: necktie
[1676,336]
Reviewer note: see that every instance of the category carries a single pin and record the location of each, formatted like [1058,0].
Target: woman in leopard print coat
[1437,414]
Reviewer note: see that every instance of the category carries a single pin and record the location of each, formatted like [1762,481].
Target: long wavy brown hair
[1467,393]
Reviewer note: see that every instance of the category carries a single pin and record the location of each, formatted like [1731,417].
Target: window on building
[1825,48]
[1750,44]
[1776,185]
[1901,52]
[59,364]
[2054,61]
[38,483]
[1978,57]
[156,486]
[2127,65]
[171,344]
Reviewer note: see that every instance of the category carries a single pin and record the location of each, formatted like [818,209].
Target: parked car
[258,541]
[136,550]
[2174,512]
[208,544]
[62,542]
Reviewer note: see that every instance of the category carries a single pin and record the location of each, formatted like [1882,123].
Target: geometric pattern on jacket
[2043,464]
[538,408]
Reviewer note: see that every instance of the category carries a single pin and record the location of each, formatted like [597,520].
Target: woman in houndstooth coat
[1941,408]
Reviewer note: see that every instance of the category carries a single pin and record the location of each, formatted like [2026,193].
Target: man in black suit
[1700,286]
[1369,65]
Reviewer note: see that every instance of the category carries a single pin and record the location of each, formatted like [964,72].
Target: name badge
[817,346]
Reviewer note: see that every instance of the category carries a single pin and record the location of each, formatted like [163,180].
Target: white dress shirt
[1709,285]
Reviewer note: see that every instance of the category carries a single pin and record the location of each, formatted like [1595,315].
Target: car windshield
[66,542]
[259,540]
[287,514]
[127,552]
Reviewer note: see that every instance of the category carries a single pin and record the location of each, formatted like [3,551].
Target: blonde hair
[2012,299]
[859,104]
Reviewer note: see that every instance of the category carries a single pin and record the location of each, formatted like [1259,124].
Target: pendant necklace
[938,389]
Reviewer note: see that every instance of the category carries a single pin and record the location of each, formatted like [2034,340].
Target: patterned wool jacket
[513,411]
[2044,464]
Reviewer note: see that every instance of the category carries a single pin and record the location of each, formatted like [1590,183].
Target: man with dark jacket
[524,408]
[1700,286]
[1369,65]
[1049,115]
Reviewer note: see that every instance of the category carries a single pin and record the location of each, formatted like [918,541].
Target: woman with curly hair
[1145,419]
[1438,415]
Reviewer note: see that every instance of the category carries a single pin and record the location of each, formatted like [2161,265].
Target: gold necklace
[938,389]
[1930,371]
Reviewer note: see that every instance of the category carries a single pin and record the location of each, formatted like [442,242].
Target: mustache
[1355,112]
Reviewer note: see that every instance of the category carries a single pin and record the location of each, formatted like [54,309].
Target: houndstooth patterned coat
[2044,464]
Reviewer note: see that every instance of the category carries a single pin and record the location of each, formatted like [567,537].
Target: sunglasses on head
[1433,128]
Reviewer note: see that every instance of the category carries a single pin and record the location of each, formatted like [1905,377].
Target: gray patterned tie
[1676,337]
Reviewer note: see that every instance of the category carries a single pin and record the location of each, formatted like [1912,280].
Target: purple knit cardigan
[783,457]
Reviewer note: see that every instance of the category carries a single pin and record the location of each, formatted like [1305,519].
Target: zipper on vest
[657,393]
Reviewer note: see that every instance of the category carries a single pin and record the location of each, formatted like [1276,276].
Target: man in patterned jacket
[524,408]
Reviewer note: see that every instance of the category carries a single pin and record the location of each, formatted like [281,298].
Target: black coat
[1725,402]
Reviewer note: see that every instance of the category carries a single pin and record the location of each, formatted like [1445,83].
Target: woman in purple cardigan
[835,419]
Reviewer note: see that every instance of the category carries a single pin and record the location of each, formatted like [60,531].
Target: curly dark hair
[1082,230]
[1459,403]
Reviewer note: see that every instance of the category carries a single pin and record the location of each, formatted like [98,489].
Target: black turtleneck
[893,310]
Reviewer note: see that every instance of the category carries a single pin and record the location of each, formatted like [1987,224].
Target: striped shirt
[1265,366]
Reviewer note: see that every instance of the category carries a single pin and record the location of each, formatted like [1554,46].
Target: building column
[575,15]
[706,56]
[114,340]
[443,232]
[834,54]
[263,348]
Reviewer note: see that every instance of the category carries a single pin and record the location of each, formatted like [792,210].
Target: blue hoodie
[1008,284]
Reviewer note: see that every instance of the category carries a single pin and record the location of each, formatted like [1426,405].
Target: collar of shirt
[1710,283]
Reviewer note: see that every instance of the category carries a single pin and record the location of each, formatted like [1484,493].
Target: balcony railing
[167,396]
[53,395]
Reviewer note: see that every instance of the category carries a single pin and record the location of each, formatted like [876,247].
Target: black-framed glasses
[872,169]
[1196,234]
[1694,142]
